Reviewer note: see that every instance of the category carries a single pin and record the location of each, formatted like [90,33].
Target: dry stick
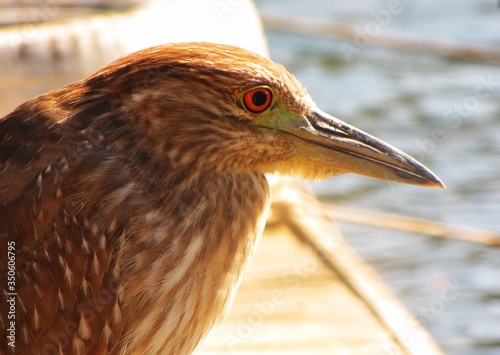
[385,38]
[412,224]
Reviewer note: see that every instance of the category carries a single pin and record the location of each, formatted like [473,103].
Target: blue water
[429,107]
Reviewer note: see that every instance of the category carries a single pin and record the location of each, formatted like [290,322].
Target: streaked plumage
[136,196]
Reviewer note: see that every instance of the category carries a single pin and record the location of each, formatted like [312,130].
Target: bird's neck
[185,264]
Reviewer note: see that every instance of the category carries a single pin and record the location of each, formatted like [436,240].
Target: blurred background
[444,111]
[433,108]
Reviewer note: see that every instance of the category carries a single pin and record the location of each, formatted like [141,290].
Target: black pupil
[259,98]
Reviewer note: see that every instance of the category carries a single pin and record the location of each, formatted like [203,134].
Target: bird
[132,201]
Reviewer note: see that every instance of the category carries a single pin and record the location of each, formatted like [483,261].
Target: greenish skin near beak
[326,140]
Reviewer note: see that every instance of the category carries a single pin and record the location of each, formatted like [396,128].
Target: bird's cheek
[270,147]
[303,159]
[284,154]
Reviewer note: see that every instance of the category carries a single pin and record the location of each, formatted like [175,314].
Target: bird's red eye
[258,99]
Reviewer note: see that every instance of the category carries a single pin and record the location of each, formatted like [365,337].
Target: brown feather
[135,201]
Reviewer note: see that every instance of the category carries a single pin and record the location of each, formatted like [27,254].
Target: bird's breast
[185,259]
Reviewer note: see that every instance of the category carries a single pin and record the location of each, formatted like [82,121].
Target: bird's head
[221,107]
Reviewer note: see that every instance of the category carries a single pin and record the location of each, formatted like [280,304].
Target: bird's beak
[326,140]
